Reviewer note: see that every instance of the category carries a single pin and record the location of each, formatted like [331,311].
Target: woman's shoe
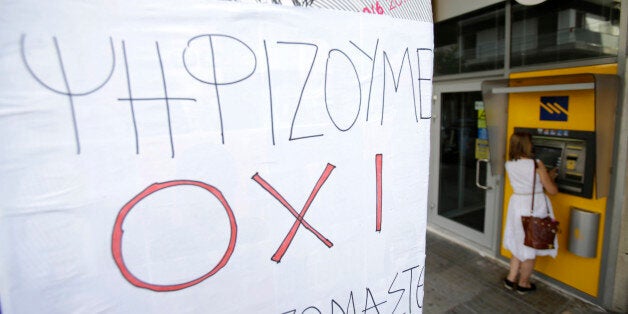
[524,290]
[508,284]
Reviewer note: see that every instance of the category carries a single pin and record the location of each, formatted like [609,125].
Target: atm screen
[571,152]
[550,156]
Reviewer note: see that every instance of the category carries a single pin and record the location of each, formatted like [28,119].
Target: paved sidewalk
[460,280]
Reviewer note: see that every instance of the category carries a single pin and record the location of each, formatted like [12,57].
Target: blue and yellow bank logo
[554,108]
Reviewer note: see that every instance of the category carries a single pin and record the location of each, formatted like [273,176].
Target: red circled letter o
[116,243]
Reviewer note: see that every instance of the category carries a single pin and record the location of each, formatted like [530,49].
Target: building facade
[483,41]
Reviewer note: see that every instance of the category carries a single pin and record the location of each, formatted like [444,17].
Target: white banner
[211,157]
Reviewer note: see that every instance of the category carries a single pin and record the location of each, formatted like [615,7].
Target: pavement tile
[460,280]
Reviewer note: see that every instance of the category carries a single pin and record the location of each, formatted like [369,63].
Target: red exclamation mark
[378,176]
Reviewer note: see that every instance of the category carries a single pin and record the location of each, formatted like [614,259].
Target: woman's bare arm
[546,179]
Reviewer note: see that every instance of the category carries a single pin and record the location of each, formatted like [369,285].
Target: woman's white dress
[520,175]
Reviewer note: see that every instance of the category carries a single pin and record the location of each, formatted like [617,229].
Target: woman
[521,168]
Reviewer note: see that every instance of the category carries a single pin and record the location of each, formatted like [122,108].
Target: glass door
[462,199]
[459,199]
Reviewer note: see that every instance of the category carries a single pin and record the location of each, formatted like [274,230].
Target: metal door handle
[477,174]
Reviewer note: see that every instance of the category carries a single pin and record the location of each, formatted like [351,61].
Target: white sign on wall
[211,157]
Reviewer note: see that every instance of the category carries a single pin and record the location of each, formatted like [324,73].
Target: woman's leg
[514,269]
[527,267]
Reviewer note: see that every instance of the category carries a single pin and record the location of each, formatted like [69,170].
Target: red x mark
[299,216]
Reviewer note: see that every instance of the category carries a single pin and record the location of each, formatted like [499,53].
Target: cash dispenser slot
[572,152]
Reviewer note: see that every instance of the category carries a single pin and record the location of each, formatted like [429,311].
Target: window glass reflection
[557,31]
[472,42]
[550,32]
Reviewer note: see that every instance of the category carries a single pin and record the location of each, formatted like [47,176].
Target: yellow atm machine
[570,114]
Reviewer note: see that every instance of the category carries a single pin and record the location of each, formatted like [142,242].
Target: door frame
[490,239]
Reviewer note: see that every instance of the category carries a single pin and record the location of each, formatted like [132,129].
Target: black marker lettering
[366,303]
[410,285]
[420,284]
[396,82]
[335,305]
[359,90]
[163,79]
[164,98]
[67,89]
[312,308]
[427,78]
[131,105]
[213,80]
[291,138]
[270,95]
[368,102]
[395,291]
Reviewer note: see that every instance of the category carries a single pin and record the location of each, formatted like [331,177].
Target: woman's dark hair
[520,146]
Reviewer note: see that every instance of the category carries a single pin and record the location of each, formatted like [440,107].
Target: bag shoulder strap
[533,187]
[534,192]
